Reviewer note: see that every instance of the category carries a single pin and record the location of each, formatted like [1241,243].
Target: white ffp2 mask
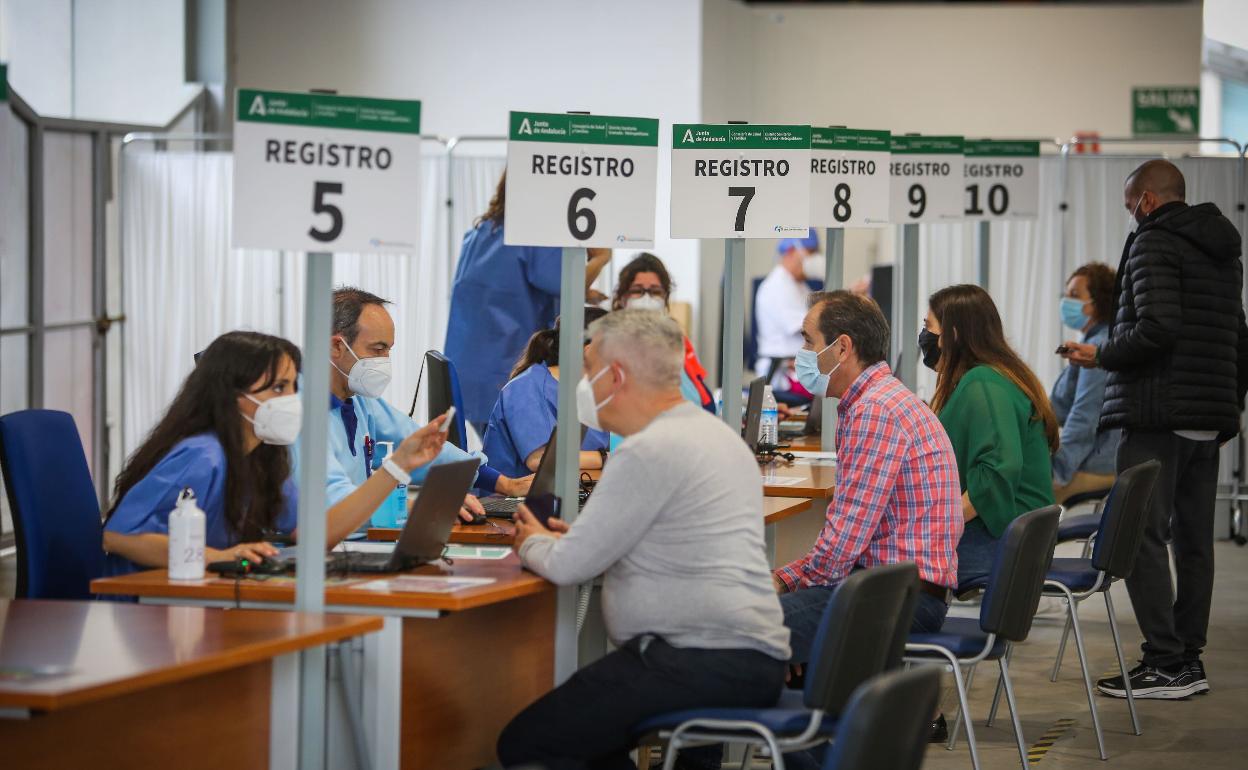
[277,421]
[369,377]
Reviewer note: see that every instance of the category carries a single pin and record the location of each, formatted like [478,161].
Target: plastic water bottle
[186,538]
[769,420]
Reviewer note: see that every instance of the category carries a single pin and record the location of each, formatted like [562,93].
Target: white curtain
[1026,272]
[184,285]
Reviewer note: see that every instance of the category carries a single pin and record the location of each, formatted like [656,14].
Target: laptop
[814,422]
[430,516]
[753,413]
[543,482]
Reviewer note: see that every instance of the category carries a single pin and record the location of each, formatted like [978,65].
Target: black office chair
[886,722]
[862,633]
[1113,557]
[1011,594]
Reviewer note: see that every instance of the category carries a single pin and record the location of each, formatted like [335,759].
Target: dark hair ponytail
[543,346]
[208,403]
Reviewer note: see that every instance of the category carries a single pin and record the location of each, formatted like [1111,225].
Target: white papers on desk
[782,481]
[477,552]
[366,546]
[424,584]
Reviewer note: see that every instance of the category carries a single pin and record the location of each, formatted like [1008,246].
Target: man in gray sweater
[675,525]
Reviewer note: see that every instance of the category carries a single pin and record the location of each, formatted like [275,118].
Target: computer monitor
[442,394]
[544,477]
[753,413]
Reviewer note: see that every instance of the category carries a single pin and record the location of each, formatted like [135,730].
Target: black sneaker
[939,730]
[1196,669]
[1155,683]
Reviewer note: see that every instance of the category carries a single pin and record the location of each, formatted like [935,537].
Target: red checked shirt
[897,496]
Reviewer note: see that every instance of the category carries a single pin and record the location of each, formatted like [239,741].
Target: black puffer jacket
[1177,355]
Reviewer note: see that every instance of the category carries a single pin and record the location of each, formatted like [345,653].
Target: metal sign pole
[833,279]
[568,451]
[733,331]
[907,311]
[983,251]
[313,438]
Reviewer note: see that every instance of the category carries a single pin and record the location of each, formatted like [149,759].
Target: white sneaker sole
[1158,693]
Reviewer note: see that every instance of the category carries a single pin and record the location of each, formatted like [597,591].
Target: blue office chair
[1080,528]
[886,722]
[862,632]
[56,516]
[1011,595]
[1113,557]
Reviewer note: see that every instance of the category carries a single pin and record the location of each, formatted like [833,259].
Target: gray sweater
[676,526]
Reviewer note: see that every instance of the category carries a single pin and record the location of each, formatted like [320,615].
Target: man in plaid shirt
[897,494]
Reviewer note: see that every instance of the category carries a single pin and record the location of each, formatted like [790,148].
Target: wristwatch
[603,454]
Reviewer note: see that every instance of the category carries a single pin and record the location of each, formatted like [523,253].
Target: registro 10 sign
[581,180]
[740,181]
[322,172]
[1002,179]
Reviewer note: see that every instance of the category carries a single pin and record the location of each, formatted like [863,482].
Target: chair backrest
[1122,523]
[887,721]
[56,516]
[443,392]
[862,632]
[1024,555]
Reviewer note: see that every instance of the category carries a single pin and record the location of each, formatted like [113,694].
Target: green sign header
[1001,148]
[1168,110]
[583,129]
[695,136]
[904,144]
[858,139]
[329,111]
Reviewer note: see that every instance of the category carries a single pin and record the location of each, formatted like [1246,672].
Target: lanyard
[369,444]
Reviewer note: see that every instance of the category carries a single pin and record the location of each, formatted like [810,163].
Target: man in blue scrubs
[501,296]
[359,419]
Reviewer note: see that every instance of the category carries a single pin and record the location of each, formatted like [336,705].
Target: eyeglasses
[638,291]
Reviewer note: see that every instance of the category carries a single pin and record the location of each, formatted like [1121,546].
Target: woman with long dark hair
[997,416]
[226,437]
[527,409]
[501,295]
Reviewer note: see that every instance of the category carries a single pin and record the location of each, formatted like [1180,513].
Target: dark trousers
[587,722]
[1181,511]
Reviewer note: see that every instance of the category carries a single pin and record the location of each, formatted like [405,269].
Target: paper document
[476,552]
[425,584]
[782,481]
[368,546]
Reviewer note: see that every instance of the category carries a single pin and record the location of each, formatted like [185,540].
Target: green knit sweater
[1003,455]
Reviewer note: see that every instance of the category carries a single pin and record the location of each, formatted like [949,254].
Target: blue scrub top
[197,462]
[380,421]
[523,418]
[500,297]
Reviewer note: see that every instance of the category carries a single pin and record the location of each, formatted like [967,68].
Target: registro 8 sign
[581,180]
[321,172]
[927,179]
[1002,179]
[740,181]
[849,182]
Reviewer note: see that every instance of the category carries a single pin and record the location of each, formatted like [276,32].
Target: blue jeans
[976,552]
[803,610]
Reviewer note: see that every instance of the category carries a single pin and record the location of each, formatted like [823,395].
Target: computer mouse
[477,518]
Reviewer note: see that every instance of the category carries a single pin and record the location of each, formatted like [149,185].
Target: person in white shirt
[780,308]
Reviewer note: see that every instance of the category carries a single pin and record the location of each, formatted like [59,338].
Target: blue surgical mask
[807,366]
[1072,313]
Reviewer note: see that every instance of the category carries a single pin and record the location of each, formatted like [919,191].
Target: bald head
[1151,186]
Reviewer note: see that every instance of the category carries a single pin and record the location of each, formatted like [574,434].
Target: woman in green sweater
[998,418]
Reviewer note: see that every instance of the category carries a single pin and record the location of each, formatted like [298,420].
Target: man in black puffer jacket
[1177,358]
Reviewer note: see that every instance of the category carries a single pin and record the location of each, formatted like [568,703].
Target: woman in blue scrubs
[500,297]
[527,409]
[226,438]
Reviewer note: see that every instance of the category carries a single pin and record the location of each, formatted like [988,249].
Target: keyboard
[370,563]
[500,507]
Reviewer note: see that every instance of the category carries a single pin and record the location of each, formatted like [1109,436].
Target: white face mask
[646,302]
[586,407]
[1132,222]
[277,420]
[369,377]
[815,267]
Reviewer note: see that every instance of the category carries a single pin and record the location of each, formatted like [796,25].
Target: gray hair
[650,343]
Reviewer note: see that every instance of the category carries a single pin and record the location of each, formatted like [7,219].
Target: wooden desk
[809,479]
[504,533]
[805,443]
[455,666]
[180,687]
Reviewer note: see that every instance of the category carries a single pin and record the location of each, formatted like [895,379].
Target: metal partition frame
[101,134]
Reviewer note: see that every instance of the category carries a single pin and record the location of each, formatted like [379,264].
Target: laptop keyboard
[500,506]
